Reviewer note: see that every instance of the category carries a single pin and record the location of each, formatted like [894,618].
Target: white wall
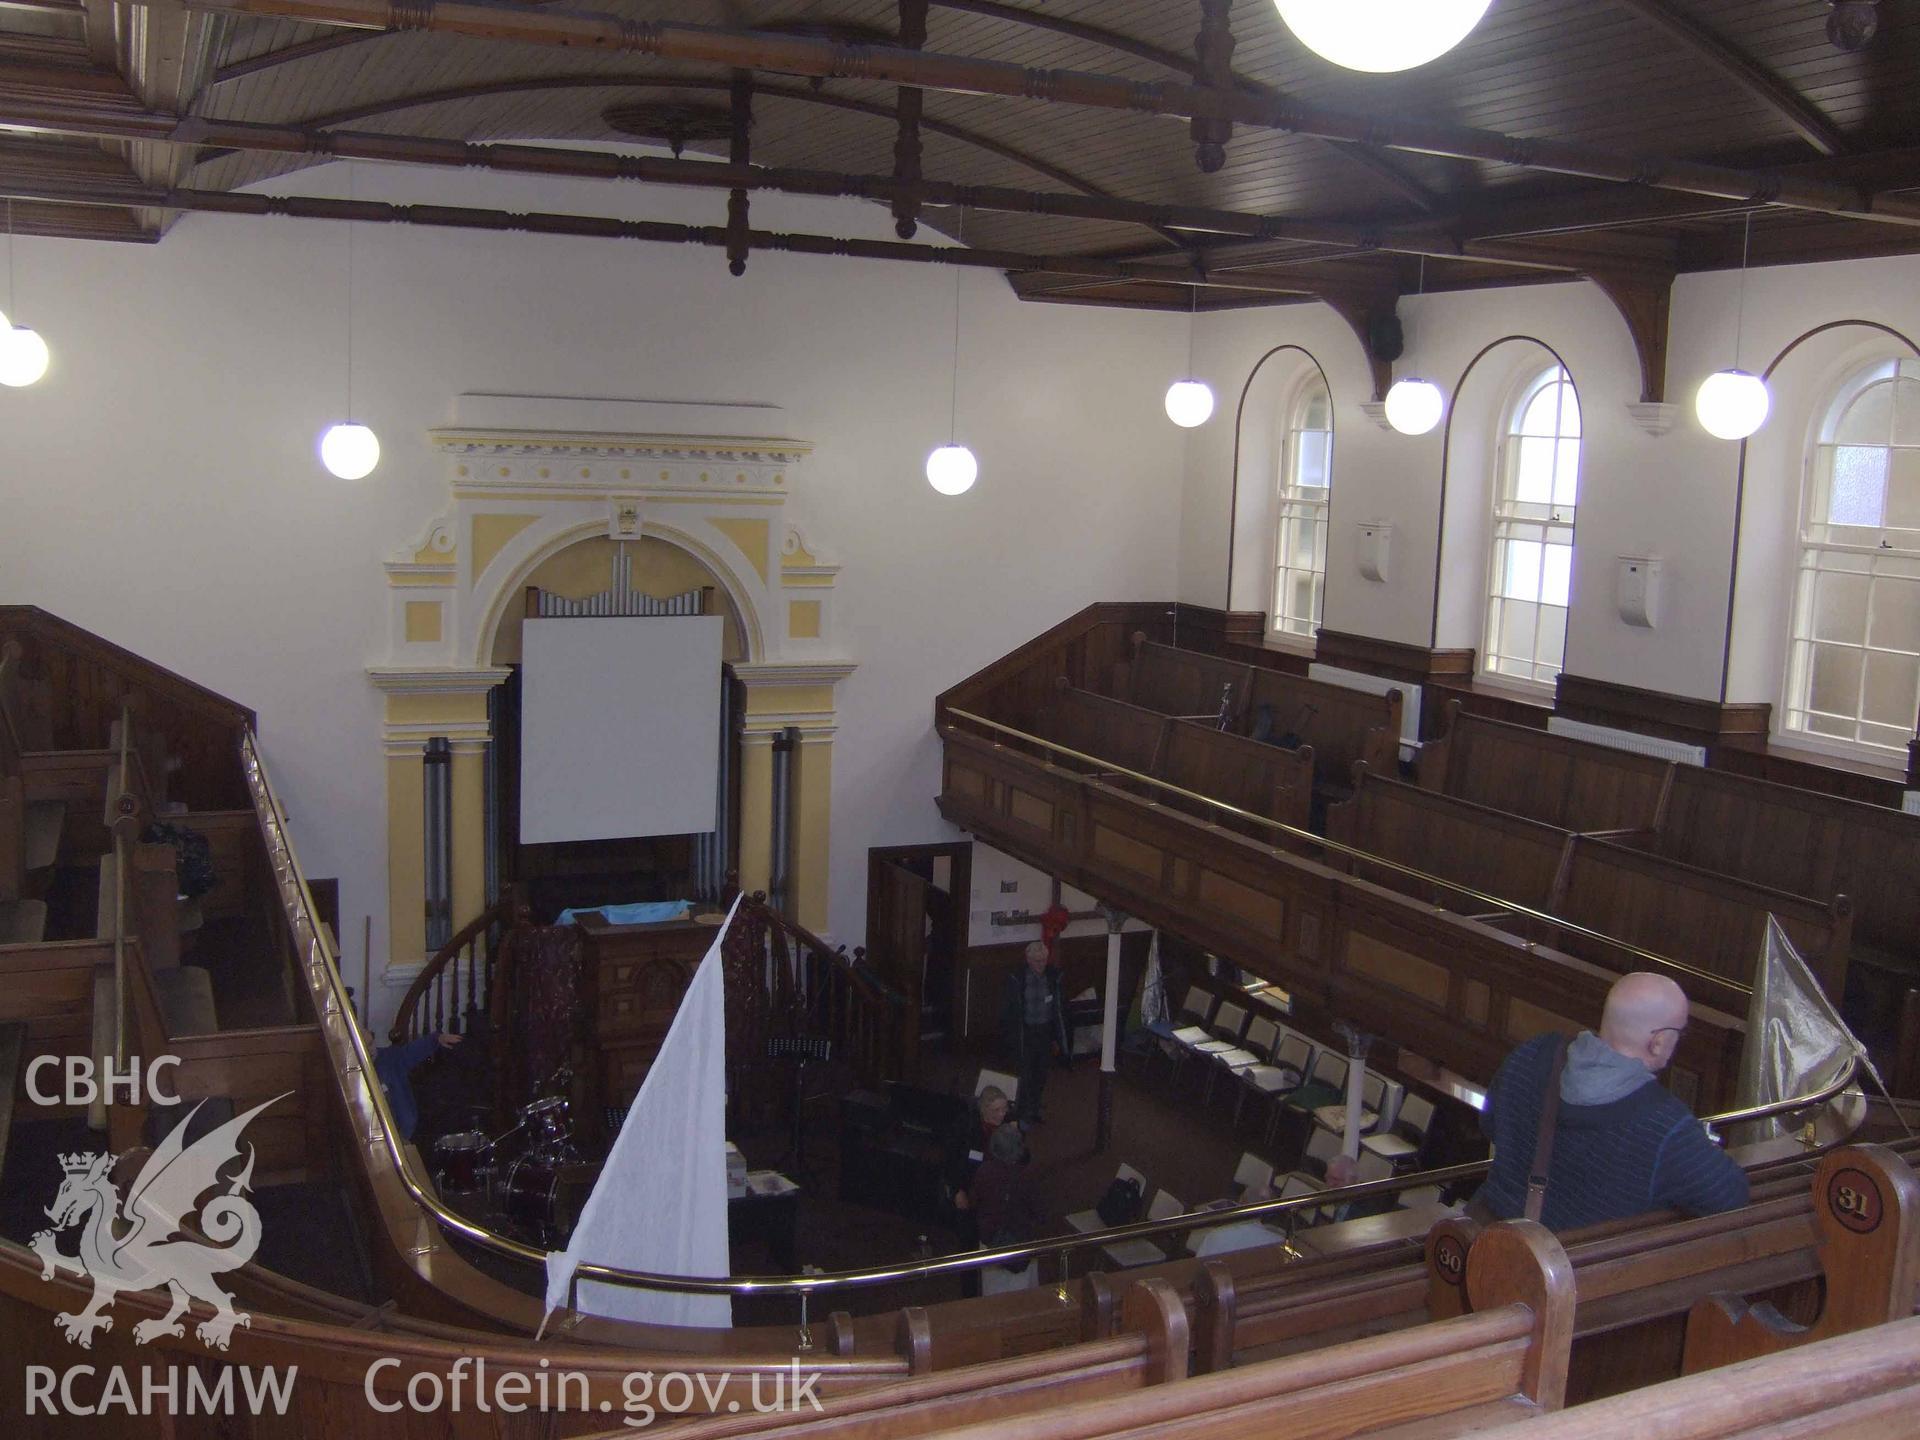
[160,486]
[1671,496]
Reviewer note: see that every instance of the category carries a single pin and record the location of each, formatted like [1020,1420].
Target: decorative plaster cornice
[794,672]
[509,444]
[452,680]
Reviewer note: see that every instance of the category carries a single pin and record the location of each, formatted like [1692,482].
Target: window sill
[1508,687]
[1287,643]
[1838,756]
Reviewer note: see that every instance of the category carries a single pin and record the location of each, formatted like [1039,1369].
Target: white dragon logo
[144,1243]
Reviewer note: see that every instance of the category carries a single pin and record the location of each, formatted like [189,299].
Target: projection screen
[620,727]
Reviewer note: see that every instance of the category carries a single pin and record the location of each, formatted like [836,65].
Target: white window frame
[1511,520]
[1294,504]
[1887,555]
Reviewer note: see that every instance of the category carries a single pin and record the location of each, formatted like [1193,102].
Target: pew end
[1866,1214]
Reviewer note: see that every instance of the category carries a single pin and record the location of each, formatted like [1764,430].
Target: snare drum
[459,1159]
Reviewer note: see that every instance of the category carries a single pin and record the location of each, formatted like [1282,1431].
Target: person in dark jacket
[1004,1198]
[1623,1145]
[965,1148]
[1032,1021]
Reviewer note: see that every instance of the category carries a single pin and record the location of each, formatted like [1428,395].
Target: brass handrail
[1665,962]
[323,965]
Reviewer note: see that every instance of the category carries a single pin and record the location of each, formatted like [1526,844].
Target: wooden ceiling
[93,92]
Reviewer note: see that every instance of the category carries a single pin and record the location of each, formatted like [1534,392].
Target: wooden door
[897,937]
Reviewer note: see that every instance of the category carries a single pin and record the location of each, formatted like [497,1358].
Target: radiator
[1628,740]
[1379,685]
[1910,802]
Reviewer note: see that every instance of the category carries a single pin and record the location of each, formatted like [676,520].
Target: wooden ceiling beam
[801,95]
[894,65]
[1750,75]
[101,123]
[57,191]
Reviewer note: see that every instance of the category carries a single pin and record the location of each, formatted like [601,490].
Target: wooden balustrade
[1457,991]
[456,983]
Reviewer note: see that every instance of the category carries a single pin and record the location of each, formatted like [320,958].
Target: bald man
[1622,1145]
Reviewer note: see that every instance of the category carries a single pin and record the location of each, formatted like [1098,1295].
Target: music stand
[801,1049]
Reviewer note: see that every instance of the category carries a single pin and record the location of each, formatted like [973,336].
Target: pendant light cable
[350,227]
[9,309]
[1740,307]
[953,394]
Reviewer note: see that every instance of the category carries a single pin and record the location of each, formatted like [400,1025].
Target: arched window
[1534,493]
[1305,481]
[1853,663]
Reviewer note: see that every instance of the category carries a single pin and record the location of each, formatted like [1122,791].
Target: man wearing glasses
[1620,1144]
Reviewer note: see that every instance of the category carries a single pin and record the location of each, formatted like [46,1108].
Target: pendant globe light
[951,469]
[23,354]
[1190,401]
[349,450]
[1381,36]
[1732,404]
[1414,406]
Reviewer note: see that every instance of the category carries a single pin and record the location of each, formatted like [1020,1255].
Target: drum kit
[531,1178]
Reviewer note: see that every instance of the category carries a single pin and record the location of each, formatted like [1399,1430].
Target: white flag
[660,1203]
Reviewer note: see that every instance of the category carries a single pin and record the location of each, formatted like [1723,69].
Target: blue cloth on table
[646,912]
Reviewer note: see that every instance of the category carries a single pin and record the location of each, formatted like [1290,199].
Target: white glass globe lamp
[1381,36]
[350,451]
[952,469]
[1414,406]
[1732,404]
[23,355]
[1189,403]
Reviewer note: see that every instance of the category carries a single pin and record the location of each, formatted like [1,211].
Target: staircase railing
[817,989]
[457,982]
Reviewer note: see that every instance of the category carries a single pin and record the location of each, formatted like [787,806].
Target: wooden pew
[1862,1386]
[1866,1214]
[1344,727]
[1715,922]
[1494,852]
[1439,1379]
[1810,844]
[1635,1281]
[1263,779]
[1340,726]
[1112,730]
[1571,784]
[1186,683]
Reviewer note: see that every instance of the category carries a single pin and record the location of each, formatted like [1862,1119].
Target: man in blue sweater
[1623,1145]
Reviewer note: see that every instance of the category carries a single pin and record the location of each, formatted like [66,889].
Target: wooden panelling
[88,680]
[1653,712]
[1256,907]
[1371,958]
[1571,784]
[1030,810]
[1417,664]
[1084,648]
[1876,786]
